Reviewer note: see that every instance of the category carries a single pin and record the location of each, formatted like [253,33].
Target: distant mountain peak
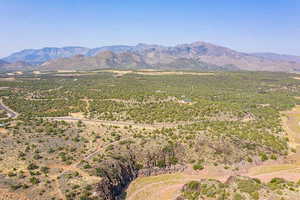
[38,56]
[196,55]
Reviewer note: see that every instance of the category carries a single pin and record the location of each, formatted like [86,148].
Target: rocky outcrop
[123,164]
[117,175]
[157,171]
[113,184]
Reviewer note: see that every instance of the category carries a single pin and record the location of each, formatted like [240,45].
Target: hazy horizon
[248,26]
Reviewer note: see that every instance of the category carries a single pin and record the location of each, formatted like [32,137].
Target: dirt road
[10,112]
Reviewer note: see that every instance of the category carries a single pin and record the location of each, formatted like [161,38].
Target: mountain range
[196,56]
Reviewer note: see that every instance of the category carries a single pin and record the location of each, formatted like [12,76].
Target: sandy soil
[6,195]
[3,131]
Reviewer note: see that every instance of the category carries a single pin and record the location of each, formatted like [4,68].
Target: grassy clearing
[156,190]
[144,181]
[271,168]
[157,187]
[292,124]
[160,187]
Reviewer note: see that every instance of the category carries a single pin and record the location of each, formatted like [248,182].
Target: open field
[8,79]
[157,73]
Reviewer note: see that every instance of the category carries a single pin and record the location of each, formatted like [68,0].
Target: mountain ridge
[275,56]
[38,56]
[198,55]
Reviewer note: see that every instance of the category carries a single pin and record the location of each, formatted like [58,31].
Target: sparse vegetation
[238,188]
[144,122]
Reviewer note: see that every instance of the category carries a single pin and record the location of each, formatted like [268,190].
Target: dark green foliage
[32,166]
[161,164]
[198,167]
[34,180]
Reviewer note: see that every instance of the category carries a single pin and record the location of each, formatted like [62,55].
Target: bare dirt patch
[154,73]
[8,79]
[290,122]
[73,74]
[3,131]
[78,115]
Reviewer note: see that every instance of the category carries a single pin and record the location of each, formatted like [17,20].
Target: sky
[243,25]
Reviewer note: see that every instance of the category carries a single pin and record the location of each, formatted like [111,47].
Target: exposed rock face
[123,164]
[116,177]
[157,171]
[113,184]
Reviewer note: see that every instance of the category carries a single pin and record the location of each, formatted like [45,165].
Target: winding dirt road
[119,123]
[10,112]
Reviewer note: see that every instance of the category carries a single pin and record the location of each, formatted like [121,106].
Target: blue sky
[244,25]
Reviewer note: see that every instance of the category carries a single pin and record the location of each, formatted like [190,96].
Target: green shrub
[193,185]
[248,186]
[34,180]
[198,167]
[161,164]
[237,196]
[32,166]
[255,195]
[263,156]
[273,157]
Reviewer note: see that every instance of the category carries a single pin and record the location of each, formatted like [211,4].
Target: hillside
[2,62]
[127,60]
[19,65]
[38,56]
[195,56]
[278,57]
[104,59]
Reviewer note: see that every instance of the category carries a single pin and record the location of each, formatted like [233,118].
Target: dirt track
[11,113]
[119,123]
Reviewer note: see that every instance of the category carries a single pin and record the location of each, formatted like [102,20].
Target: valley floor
[168,186]
[94,123]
